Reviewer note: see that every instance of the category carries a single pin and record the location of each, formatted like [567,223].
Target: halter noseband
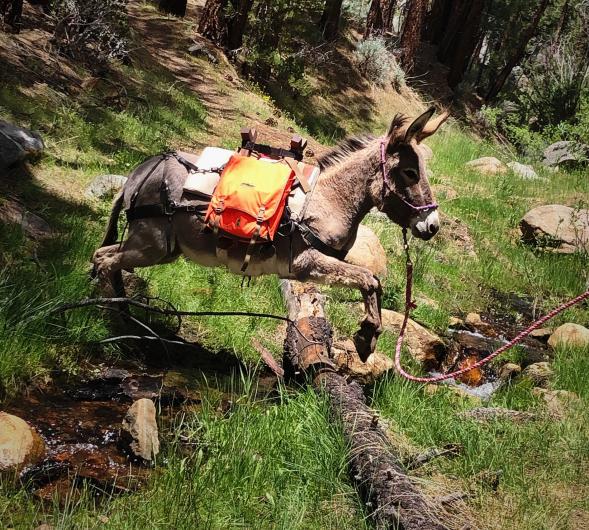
[391,188]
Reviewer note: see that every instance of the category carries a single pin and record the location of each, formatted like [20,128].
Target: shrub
[551,93]
[377,63]
[93,31]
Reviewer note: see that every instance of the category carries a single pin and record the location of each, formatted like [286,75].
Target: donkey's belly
[200,247]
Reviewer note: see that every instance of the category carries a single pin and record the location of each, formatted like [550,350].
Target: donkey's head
[407,198]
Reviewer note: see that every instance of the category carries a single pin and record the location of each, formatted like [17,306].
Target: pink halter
[387,184]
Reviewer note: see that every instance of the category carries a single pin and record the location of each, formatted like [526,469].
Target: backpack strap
[294,165]
[252,244]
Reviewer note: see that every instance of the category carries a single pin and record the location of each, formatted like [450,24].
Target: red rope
[409,305]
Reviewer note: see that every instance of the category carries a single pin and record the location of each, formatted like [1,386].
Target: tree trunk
[468,38]
[392,498]
[330,18]
[237,23]
[380,17]
[11,11]
[212,23]
[174,7]
[412,29]
[518,52]
[437,20]
[455,23]
[562,22]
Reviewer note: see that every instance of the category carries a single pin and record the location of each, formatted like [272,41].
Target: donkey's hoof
[365,342]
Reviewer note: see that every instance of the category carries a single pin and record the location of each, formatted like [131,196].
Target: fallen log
[392,497]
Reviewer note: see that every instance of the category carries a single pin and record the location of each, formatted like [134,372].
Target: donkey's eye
[410,174]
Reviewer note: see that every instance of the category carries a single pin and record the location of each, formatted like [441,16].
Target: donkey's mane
[344,149]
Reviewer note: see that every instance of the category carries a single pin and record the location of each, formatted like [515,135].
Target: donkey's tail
[112,232]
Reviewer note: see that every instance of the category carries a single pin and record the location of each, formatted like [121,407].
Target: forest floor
[253,455]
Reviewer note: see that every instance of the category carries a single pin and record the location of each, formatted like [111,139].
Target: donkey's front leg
[312,265]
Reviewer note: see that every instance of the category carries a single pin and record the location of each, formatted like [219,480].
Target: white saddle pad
[205,183]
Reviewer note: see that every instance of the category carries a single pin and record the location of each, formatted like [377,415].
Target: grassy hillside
[276,463]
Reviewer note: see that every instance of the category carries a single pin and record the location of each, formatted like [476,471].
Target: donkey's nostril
[433,228]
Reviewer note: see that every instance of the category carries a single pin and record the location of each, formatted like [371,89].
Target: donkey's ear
[397,129]
[432,126]
[418,125]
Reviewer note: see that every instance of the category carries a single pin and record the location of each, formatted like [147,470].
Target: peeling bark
[392,497]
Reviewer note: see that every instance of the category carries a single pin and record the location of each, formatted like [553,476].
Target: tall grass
[280,463]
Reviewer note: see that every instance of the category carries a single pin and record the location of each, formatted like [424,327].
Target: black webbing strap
[272,152]
[145,211]
[313,240]
[188,165]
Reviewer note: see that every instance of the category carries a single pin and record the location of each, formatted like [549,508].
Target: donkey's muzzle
[426,225]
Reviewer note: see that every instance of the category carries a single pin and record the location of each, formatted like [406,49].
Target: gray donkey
[388,173]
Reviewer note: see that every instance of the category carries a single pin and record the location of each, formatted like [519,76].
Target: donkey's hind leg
[142,249]
[312,265]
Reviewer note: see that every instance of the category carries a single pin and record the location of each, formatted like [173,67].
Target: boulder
[367,251]
[348,363]
[542,334]
[523,171]
[425,346]
[20,445]
[561,228]
[139,430]
[105,185]
[509,370]
[570,335]
[18,144]
[489,165]
[565,153]
[473,321]
[456,323]
[557,401]
[538,373]
[32,225]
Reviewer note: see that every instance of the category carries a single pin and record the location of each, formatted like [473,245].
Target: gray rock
[566,153]
[200,49]
[523,171]
[105,185]
[509,371]
[561,228]
[538,373]
[558,402]
[489,165]
[139,430]
[32,225]
[18,144]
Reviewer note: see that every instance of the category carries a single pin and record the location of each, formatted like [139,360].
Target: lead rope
[409,305]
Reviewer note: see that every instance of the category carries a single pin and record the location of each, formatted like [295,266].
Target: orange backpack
[249,200]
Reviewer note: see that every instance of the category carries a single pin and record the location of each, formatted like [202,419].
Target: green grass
[279,463]
[274,464]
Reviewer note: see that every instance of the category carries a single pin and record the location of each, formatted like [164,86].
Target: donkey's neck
[343,196]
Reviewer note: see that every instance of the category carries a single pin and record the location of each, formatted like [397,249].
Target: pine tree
[174,7]
[517,53]
[412,30]
[212,23]
[330,19]
[380,17]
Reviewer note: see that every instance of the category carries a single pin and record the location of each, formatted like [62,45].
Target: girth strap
[313,240]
